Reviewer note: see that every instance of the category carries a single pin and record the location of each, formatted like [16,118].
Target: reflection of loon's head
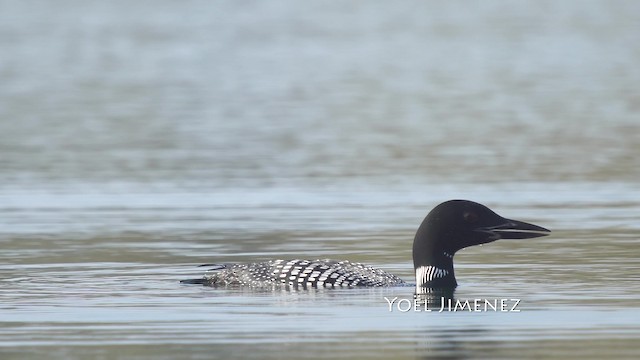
[454,225]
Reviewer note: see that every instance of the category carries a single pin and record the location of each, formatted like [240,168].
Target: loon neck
[432,259]
[435,272]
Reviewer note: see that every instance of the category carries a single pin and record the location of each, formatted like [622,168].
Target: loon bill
[449,227]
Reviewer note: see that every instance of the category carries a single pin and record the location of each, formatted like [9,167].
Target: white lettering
[513,308]
[401,301]
[391,302]
[487,304]
[462,305]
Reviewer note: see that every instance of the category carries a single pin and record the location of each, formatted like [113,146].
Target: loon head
[455,225]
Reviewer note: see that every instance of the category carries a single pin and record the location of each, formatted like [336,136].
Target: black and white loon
[449,227]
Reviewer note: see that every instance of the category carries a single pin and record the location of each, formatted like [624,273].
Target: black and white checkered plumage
[298,273]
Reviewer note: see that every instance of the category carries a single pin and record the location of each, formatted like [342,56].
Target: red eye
[470,217]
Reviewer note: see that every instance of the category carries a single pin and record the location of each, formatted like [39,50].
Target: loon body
[449,227]
[299,273]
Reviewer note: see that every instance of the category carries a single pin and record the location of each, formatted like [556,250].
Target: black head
[456,224]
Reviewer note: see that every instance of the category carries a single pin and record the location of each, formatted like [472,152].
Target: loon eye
[470,217]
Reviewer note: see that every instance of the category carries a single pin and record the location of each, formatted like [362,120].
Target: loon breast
[298,274]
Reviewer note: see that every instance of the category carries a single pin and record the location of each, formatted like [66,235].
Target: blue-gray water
[140,139]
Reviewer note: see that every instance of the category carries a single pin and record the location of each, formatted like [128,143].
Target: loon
[449,227]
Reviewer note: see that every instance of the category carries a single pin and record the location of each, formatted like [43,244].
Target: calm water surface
[139,140]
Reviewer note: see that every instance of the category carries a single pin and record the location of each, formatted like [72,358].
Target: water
[138,140]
